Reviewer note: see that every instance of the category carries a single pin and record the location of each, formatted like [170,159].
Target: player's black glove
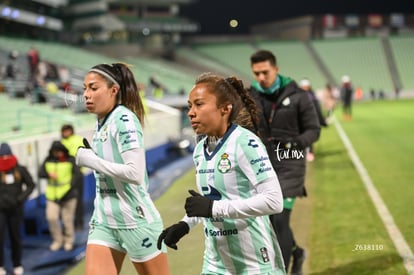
[198,206]
[171,235]
[86,143]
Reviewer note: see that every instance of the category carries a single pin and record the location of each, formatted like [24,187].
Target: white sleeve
[267,201]
[131,171]
[191,221]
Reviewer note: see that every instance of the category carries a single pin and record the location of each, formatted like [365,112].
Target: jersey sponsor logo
[224,164]
[262,158]
[253,143]
[101,177]
[216,219]
[124,118]
[107,191]
[263,164]
[221,232]
[263,170]
[128,141]
[205,171]
[127,132]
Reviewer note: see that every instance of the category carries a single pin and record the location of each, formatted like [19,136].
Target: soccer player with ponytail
[237,187]
[125,219]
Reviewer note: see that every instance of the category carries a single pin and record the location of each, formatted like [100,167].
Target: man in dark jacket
[13,177]
[288,123]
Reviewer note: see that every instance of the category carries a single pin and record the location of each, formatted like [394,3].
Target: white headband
[106,75]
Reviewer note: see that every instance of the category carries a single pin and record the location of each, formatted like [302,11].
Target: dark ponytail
[247,116]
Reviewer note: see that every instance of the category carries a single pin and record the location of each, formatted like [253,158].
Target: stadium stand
[402,48]
[363,59]
[360,58]
[195,59]
[173,76]
[234,55]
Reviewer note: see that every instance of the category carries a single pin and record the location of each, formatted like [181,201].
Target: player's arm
[267,195]
[132,170]
[267,201]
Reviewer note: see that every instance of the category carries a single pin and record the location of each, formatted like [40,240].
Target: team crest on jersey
[104,134]
[224,164]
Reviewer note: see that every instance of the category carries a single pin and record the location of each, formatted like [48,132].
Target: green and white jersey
[120,204]
[244,245]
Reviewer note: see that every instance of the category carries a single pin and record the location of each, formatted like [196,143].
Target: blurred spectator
[306,86]
[16,184]
[381,94]
[397,92]
[64,78]
[157,88]
[347,92]
[359,93]
[33,57]
[11,67]
[61,195]
[72,142]
[329,98]
[372,94]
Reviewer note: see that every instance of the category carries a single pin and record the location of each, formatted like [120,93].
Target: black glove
[86,143]
[171,235]
[198,206]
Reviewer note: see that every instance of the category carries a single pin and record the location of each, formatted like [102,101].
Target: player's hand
[171,235]
[86,143]
[85,155]
[198,206]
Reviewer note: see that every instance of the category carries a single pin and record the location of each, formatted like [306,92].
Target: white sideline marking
[398,239]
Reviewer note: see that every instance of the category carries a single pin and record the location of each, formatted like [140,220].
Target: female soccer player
[125,220]
[237,186]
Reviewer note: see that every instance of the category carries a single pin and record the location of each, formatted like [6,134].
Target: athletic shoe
[55,246]
[2,271]
[68,246]
[18,270]
[299,256]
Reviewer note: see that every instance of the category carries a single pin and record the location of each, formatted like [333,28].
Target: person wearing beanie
[61,195]
[13,177]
